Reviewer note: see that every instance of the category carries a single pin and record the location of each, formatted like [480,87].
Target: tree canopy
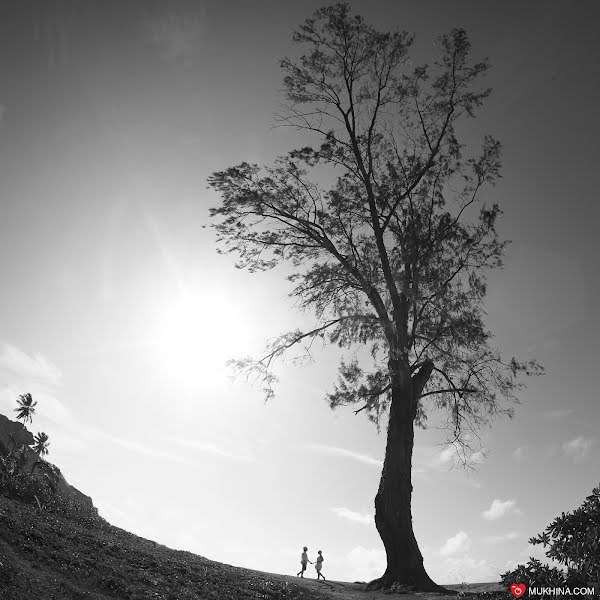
[394,255]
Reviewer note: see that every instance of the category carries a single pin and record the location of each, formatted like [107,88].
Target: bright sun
[195,337]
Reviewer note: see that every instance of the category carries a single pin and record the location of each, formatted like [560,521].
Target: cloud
[457,565]
[346,513]
[446,455]
[143,449]
[519,453]
[210,448]
[579,447]
[48,406]
[366,563]
[459,569]
[177,37]
[51,408]
[559,413]
[21,373]
[343,452]
[497,539]
[36,367]
[457,544]
[499,508]
[477,457]
[475,484]
[428,458]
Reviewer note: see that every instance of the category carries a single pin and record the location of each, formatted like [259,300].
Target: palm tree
[26,407]
[41,444]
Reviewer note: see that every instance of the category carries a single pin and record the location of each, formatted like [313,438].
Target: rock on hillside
[13,435]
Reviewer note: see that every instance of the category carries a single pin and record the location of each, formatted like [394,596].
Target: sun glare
[195,337]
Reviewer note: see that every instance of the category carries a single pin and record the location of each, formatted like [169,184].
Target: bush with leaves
[573,540]
[38,484]
[21,484]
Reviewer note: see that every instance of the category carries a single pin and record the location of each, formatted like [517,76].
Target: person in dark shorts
[303,561]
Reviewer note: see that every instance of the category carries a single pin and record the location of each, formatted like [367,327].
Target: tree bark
[393,516]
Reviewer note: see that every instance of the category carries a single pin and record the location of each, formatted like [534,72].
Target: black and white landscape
[128,132]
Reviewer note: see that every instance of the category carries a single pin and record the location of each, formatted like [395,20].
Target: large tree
[383,225]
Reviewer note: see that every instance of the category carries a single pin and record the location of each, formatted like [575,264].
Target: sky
[117,313]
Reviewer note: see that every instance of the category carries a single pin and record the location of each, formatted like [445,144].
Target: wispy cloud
[559,413]
[457,544]
[425,458]
[579,447]
[21,372]
[431,458]
[497,539]
[33,367]
[519,453]
[500,508]
[446,455]
[477,457]
[51,408]
[350,515]
[211,448]
[343,452]
[140,448]
[428,458]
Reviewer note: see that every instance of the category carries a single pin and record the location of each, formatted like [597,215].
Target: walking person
[303,561]
[319,566]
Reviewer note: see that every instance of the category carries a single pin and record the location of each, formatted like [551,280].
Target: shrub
[573,540]
[19,483]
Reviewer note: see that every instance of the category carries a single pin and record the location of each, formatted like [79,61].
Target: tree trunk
[393,516]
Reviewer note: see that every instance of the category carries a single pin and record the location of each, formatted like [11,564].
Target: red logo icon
[518,589]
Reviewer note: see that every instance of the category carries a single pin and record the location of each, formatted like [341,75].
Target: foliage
[26,407]
[573,540]
[392,256]
[41,444]
[13,461]
[19,483]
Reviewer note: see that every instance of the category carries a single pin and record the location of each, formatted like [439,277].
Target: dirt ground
[344,590]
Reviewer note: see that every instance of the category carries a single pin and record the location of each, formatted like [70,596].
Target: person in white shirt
[319,566]
[303,561]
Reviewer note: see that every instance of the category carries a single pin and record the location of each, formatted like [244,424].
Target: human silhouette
[303,561]
[319,566]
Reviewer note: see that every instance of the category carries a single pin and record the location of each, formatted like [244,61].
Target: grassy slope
[46,556]
[43,555]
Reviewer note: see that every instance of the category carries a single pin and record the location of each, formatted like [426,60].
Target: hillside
[44,555]
[54,545]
